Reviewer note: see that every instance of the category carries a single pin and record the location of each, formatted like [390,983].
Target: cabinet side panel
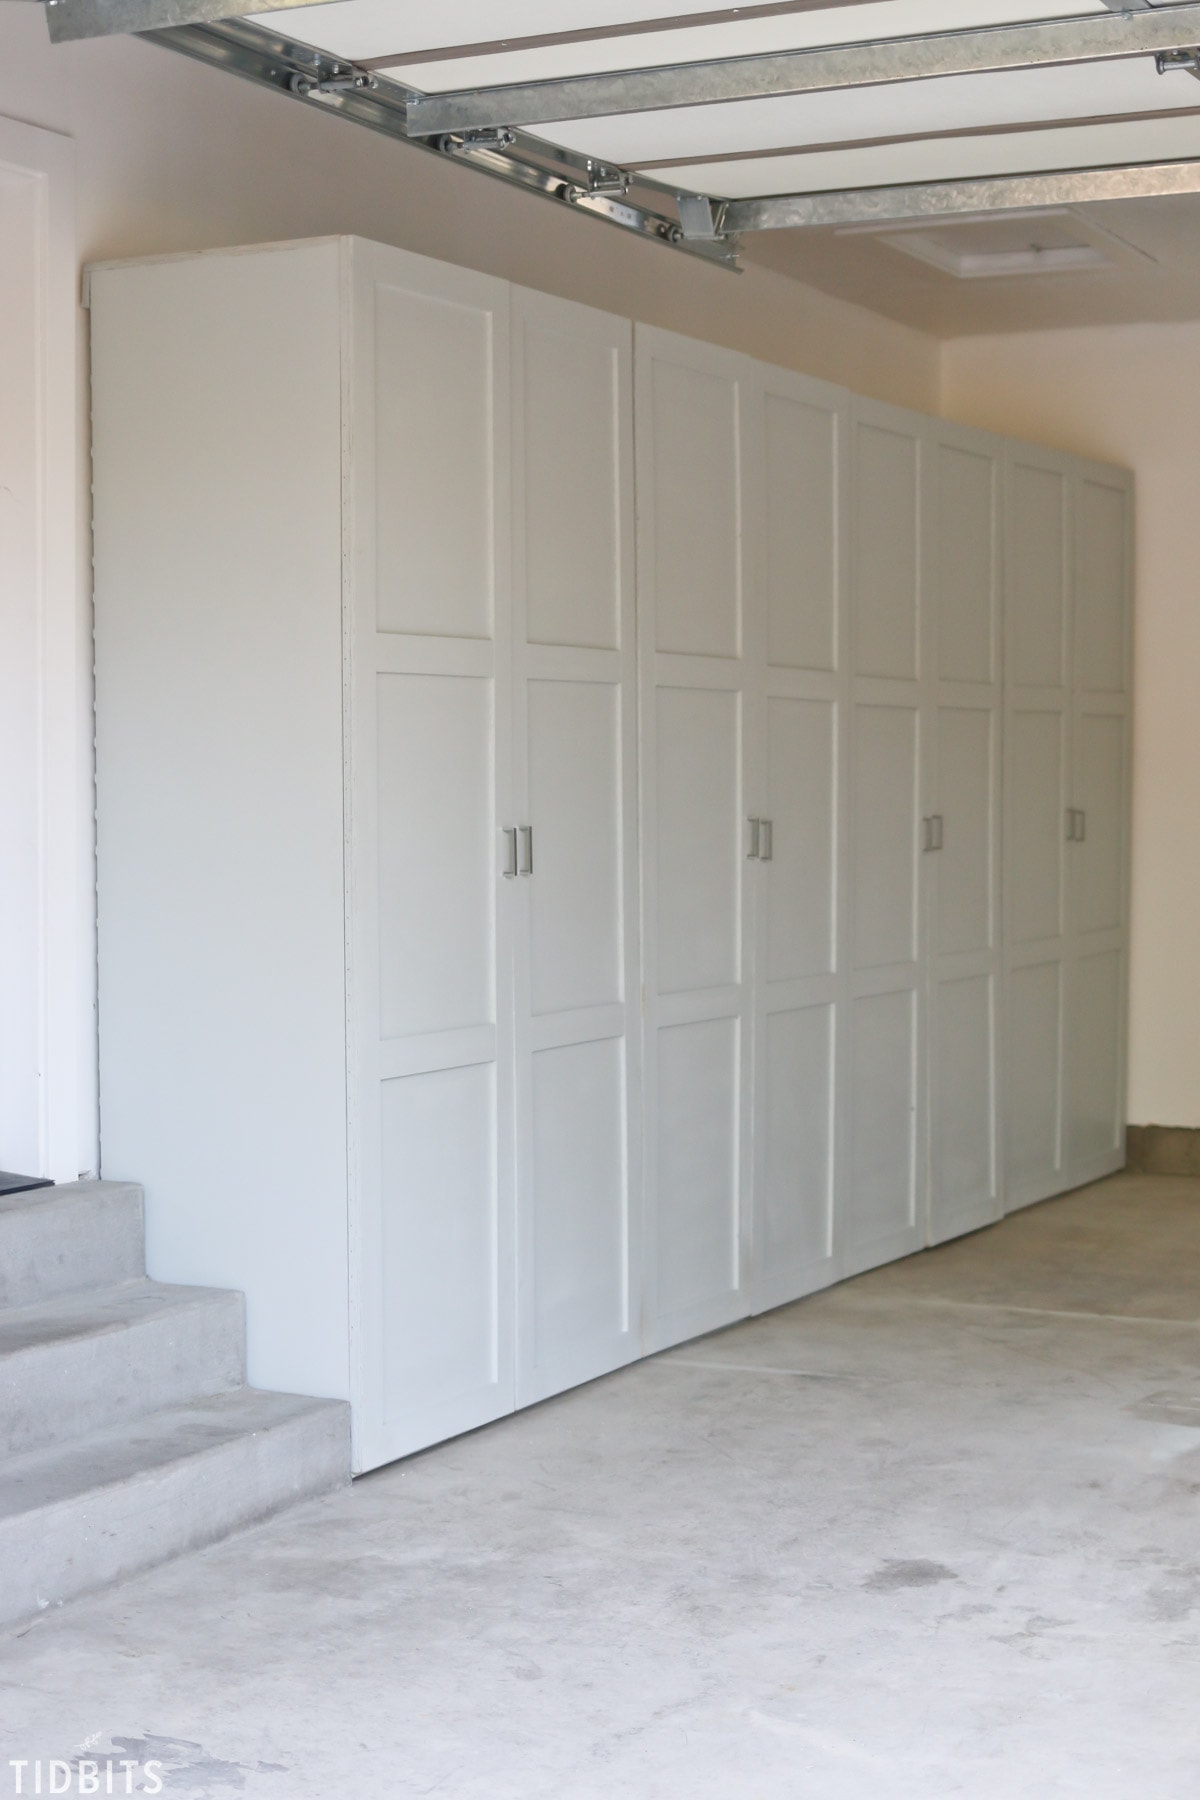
[216,400]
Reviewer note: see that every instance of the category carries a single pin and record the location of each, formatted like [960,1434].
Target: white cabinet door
[795,462]
[887,778]
[430,987]
[694,636]
[1098,850]
[575,807]
[963,860]
[1036,770]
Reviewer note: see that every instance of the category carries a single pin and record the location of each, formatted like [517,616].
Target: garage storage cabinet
[597,836]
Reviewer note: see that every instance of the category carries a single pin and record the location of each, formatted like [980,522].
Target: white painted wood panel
[1098,863]
[1098,857]
[431,783]
[796,1173]
[439,1250]
[886,800]
[697,774]
[1069,528]
[697,1239]
[887,543]
[579,1228]
[800,938]
[1035,1025]
[1036,794]
[1036,551]
[803,426]
[1037,726]
[435,358]
[693,443]
[697,682]
[656,1081]
[795,453]
[882,1220]
[221,881]
[576,1277]
[436,866]
[963,614]
[1095,1062]
[888,784]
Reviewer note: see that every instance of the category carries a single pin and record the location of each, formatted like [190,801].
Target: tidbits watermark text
[30,1775]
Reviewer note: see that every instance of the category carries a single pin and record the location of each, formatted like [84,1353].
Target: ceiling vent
[1043,242]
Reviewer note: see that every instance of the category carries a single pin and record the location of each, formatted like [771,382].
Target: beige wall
[1125,394]
[176,156]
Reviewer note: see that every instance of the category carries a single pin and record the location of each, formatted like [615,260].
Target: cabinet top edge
[854,400]
[102,265]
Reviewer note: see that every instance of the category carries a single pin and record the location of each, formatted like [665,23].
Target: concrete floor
[936,1532]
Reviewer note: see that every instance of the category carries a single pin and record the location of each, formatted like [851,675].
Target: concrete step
[61,1240]
[83,1362]
[115,1502]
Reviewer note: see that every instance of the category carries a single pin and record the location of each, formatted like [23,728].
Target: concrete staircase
[128,1432]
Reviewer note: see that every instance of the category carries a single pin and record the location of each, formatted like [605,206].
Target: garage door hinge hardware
[342,78]
[370,98]
[497,137]
[602,178]
[1166,60]
[702,218]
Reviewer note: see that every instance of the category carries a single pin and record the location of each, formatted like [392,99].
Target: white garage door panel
[699,1078]
[696,511]
[439,1265]
[966,586]
[886,539]
[966,778]
[801,548]
[1096,1125]
[1035,586]
[883,1134]
[886,741]
[434,490]
[436,854]
[801,800]
[1098,863]
[1036,821]
[575,798]
[1100,576]
[1035,1097]
[580,1211]
[573,454]
[699,834]
[965,1087]
[797,1216]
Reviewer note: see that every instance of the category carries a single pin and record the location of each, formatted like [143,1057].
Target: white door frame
[54,1026]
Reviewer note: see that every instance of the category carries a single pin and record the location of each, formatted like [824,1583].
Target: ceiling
[877,275]
[828,126]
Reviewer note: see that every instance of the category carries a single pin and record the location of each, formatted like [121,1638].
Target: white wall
[47,953]
[1124,394]
[173,156]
